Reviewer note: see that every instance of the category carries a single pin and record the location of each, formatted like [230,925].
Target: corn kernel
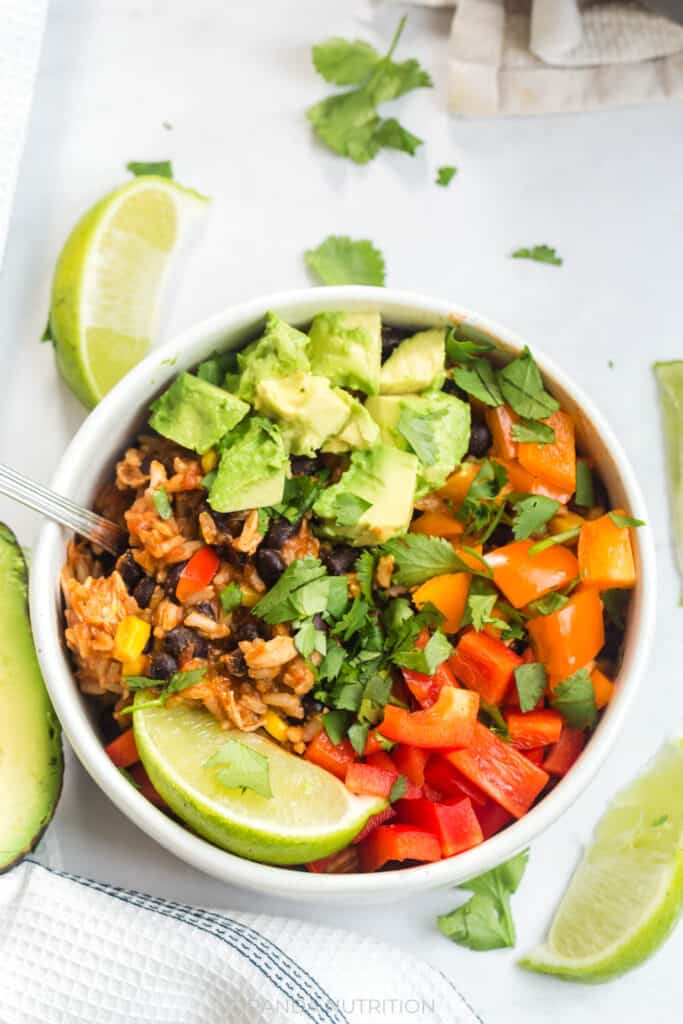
[131,638]
[135,666]
[275,726]
[250,597]
[209,460]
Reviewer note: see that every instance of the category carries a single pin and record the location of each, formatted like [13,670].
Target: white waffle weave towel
[73,951]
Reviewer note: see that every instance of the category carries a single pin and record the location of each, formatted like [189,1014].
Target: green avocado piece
[30,739]
[347,349]
[435,426]
[281,351]
[306,407]
[383,478]
[416,364]
[252,467]
[195,413]
[359,431]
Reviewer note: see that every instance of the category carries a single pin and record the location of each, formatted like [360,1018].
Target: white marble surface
[233,80]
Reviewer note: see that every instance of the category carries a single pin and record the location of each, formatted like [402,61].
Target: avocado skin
[15,629]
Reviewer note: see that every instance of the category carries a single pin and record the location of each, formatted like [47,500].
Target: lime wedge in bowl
[109,278]
[310,814]
[627,893]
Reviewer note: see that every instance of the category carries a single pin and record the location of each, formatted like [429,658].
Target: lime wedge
[670,379]
[627,892]
[311,813]
[109,279]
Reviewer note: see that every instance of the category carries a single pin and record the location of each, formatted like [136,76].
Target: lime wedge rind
[670,381]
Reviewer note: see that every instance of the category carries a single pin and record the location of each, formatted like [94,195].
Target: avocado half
[31,763]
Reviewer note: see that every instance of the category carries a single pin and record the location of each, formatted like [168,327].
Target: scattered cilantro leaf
[615,603]
[241,767]
[531,681]
[477,377]
[622,521]
[485,921]
[399,789]
[162,168]
[465,343]
[494,719]
[392,135]
[540,253]
[418,430]
[331,664]
[661,820]
[281,603]
[300,494]
[481,600]
[262,521]
[230,597]
[522,387]
[353,620]
[343,260]
[349,508]
[183,680]
[574,698]
[427,659]
[162,503]
[532,512]
[365,573]
[558,538]
[345,61]
[445,175]
[309,639]
[585,491]
[547,604]
[358,737]
[139,682]
[532,431]
[489,481]
[417,558]
[336,723]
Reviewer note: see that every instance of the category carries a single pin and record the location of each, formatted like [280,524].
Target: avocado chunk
[347,349]
[252,467]
[306,408]
[195,413]
[436,427]
[359,431]
[373,500]
[30,738]
[416,364]
[280,352]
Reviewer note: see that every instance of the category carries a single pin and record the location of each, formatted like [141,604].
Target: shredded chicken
[250,538]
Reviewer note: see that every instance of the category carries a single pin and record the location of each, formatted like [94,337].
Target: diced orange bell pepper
[554,464]
[500,422]
[606,555]
[448,593]
[397,842]
[523,482]
[564,753]
[485,665]
[507,776]
[523,577]
[602,687]
[123,751]
[529,729]
[198,573]
[572,636]
[448,723]
[459,483]
[437,524]
[334,758]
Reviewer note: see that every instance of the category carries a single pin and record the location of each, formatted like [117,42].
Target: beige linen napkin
[540,56]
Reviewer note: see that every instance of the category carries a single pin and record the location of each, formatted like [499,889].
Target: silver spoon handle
[62,510]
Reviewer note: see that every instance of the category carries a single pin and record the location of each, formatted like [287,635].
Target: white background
[606,189]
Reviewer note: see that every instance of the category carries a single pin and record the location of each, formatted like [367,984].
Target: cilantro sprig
[539,253]
[178,682]
[343,260]
[241,767]
[485,921]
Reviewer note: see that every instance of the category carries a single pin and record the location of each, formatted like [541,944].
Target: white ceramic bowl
[89,460]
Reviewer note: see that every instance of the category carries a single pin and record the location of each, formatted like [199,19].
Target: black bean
[228,554]
[391,339]
[205,608]
[451,388]
[246,626]
[303,465]
[172,576]
[184,642]
[341,559]
[129,570]
[501,535]
[109,728]
[279,531]
[235,664]
[229,522]
[319,623]
[144,590]
[269,565]
[163,666]
[310,704]
[146,464]
[480,440]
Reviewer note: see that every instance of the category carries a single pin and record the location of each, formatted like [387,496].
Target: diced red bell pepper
[535,755]
[500,770]
[142,779]
[426,689]
[381,818]
[492,818]
[334,758]
[485,665]
[198,573]
[373,743]
[564,753]
[448,723]
[410,761]
[529,729]
[366,780]
[453,822]
[123,751]
[380,759]
[344,862]
[397,842]
[444,777]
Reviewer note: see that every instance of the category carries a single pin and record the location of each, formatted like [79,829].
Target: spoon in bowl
[61,510]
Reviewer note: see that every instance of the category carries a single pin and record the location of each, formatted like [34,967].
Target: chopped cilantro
[445,175]
[485,921]
[353,619]
[365,572]
[399,789]
[465,343]
[417,558]
[343,260]
[585,491]
[162,503]
[309,639]
[358,737]
[241,767]
[477,377]
[522,388]
[179,681]
[283,602]
[540,253]
[558,538]
[427,659]
[622,521]
[547,604]
[533,431]
[299,495]
[418,430]
[348,508]
[531,681]
[574,698]
[230,597]
[532,512]
[263,521]
[162,168]
[345,61]
[335,723]
[493,717]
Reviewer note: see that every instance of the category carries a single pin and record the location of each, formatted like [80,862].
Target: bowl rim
[175,837]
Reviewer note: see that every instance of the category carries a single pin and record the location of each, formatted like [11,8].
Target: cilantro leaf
[427,659]
[358,737]
[481,600]
[343,260]
[139,682]
[445,175]
[392,135]
[478,379]
[345,61]
[309,639]
[574,698]
[336,723]
[494,719]
[349,508]
[585,491]
[531,514]
[365,572]
[547,604]
[485,921]
[622,521]
[283,601]
[162,503]
[522,387]
[241,767]
[532,431]
[531,681]
[331,664]
[418,430]
[183,680]
[353,620]
[162,168]
[299,495]
[489,481]
[230,597]
[465,343]
[399,789]
[557,538]
[417,558]
[540,253]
